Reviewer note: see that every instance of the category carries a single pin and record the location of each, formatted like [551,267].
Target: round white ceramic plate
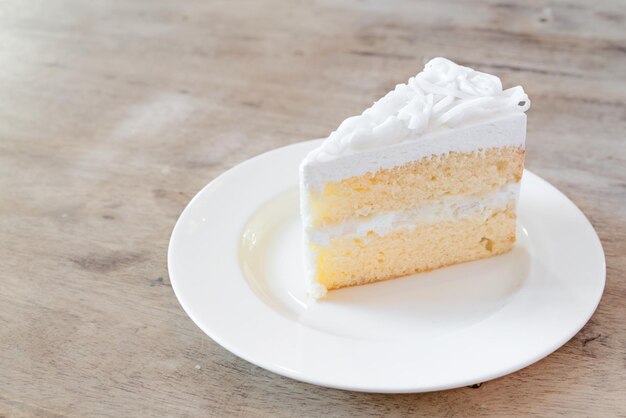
[235,265]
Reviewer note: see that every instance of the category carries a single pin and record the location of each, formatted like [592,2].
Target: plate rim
[178,291]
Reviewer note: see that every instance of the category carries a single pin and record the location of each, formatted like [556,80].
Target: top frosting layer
[444,95]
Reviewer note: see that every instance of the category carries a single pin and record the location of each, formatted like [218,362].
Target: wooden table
[114,114]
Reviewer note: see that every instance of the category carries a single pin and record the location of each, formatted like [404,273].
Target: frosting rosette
[444,95]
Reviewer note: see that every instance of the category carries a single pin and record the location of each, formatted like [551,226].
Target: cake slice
[427,177]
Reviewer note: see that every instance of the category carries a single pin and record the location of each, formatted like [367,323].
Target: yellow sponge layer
[349,261]
[410,185]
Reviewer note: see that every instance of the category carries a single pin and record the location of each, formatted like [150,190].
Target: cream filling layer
[448,209]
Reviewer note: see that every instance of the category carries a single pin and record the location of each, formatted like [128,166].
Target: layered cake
[427,177]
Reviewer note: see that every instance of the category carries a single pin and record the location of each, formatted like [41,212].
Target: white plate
[235,265]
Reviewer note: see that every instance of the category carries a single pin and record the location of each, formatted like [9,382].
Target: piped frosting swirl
[444,95]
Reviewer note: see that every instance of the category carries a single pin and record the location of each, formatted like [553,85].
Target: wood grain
[114,114]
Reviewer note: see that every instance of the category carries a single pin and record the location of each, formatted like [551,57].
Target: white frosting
[444,95]
[500,131]
[447,209]
[316,290]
